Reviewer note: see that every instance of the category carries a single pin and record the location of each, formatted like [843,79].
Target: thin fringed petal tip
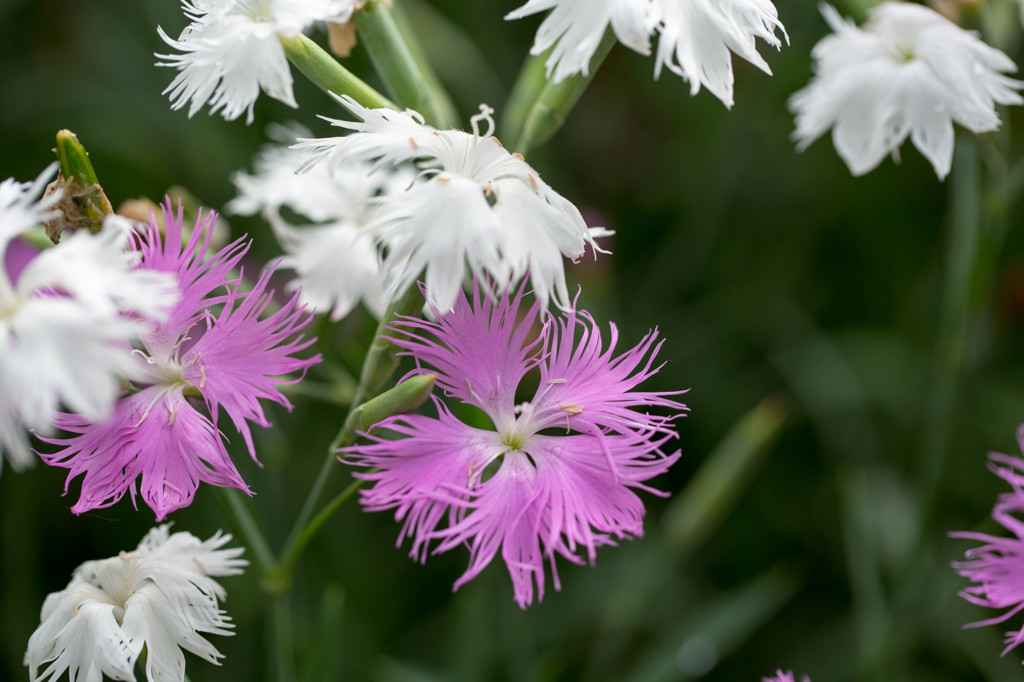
[22,205]
[556,476]
[907,72]
[332,251]
[68,316]
[231,50]
[161,596]
[472,204]
[218,350]
[696,42]
[996,567]
[784,676]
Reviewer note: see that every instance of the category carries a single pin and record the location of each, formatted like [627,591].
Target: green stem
[537,107]
[327,74]
[962,264]
[295,549]
[245,524]
[283,650]
[379,365]
[402,64]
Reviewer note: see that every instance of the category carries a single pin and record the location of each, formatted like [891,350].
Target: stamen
[570,408]
[469,390]
[142,354]
[497,141]
[519,156]
[485,116]
[533,182]
[413,143]
[556,381]
[442,178]
[202,377]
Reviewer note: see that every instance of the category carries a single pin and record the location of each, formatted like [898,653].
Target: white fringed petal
[907,72]
[161,596]
[473,203]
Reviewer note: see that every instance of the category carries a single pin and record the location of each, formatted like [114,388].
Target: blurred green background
[844,388]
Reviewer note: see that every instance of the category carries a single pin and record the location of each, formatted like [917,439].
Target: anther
[413,143]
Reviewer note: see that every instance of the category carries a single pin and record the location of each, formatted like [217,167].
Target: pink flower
[786,676]
[556,475]
[997,567]
[164,440]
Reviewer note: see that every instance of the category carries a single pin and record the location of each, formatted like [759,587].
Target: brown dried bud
[79,207]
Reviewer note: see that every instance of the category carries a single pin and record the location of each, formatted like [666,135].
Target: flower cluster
[158,441]
[556,475]
[472,201]
[334,258]
[67,317]
[907,72]
[232,50]
[161,596]
[997,567]
[697,38]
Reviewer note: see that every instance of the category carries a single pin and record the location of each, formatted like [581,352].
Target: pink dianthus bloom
[556,476]
[997,566]
[786,676]
[160,440]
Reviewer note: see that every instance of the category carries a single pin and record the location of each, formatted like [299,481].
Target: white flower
[472,202]
[695,43]
[334,258]
[64,335]
[20,206]
[909,71]
[231,51]
[161,596]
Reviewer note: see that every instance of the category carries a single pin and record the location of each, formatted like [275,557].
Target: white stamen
[484,115]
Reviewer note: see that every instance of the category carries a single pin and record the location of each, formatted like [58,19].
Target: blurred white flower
[696,35]
[908,71]
[472,202]
[64,336]
[21,208]
[231,51]
[334,257]
[161,595]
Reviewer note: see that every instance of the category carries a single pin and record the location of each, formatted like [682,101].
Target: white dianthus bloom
[162,596]
[696,36]
[334,257]
[64,336]
[908,71]
[231,51]
[473,202]
[21,208]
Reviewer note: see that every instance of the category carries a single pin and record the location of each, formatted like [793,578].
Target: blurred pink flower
[786,676]
[997,566]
